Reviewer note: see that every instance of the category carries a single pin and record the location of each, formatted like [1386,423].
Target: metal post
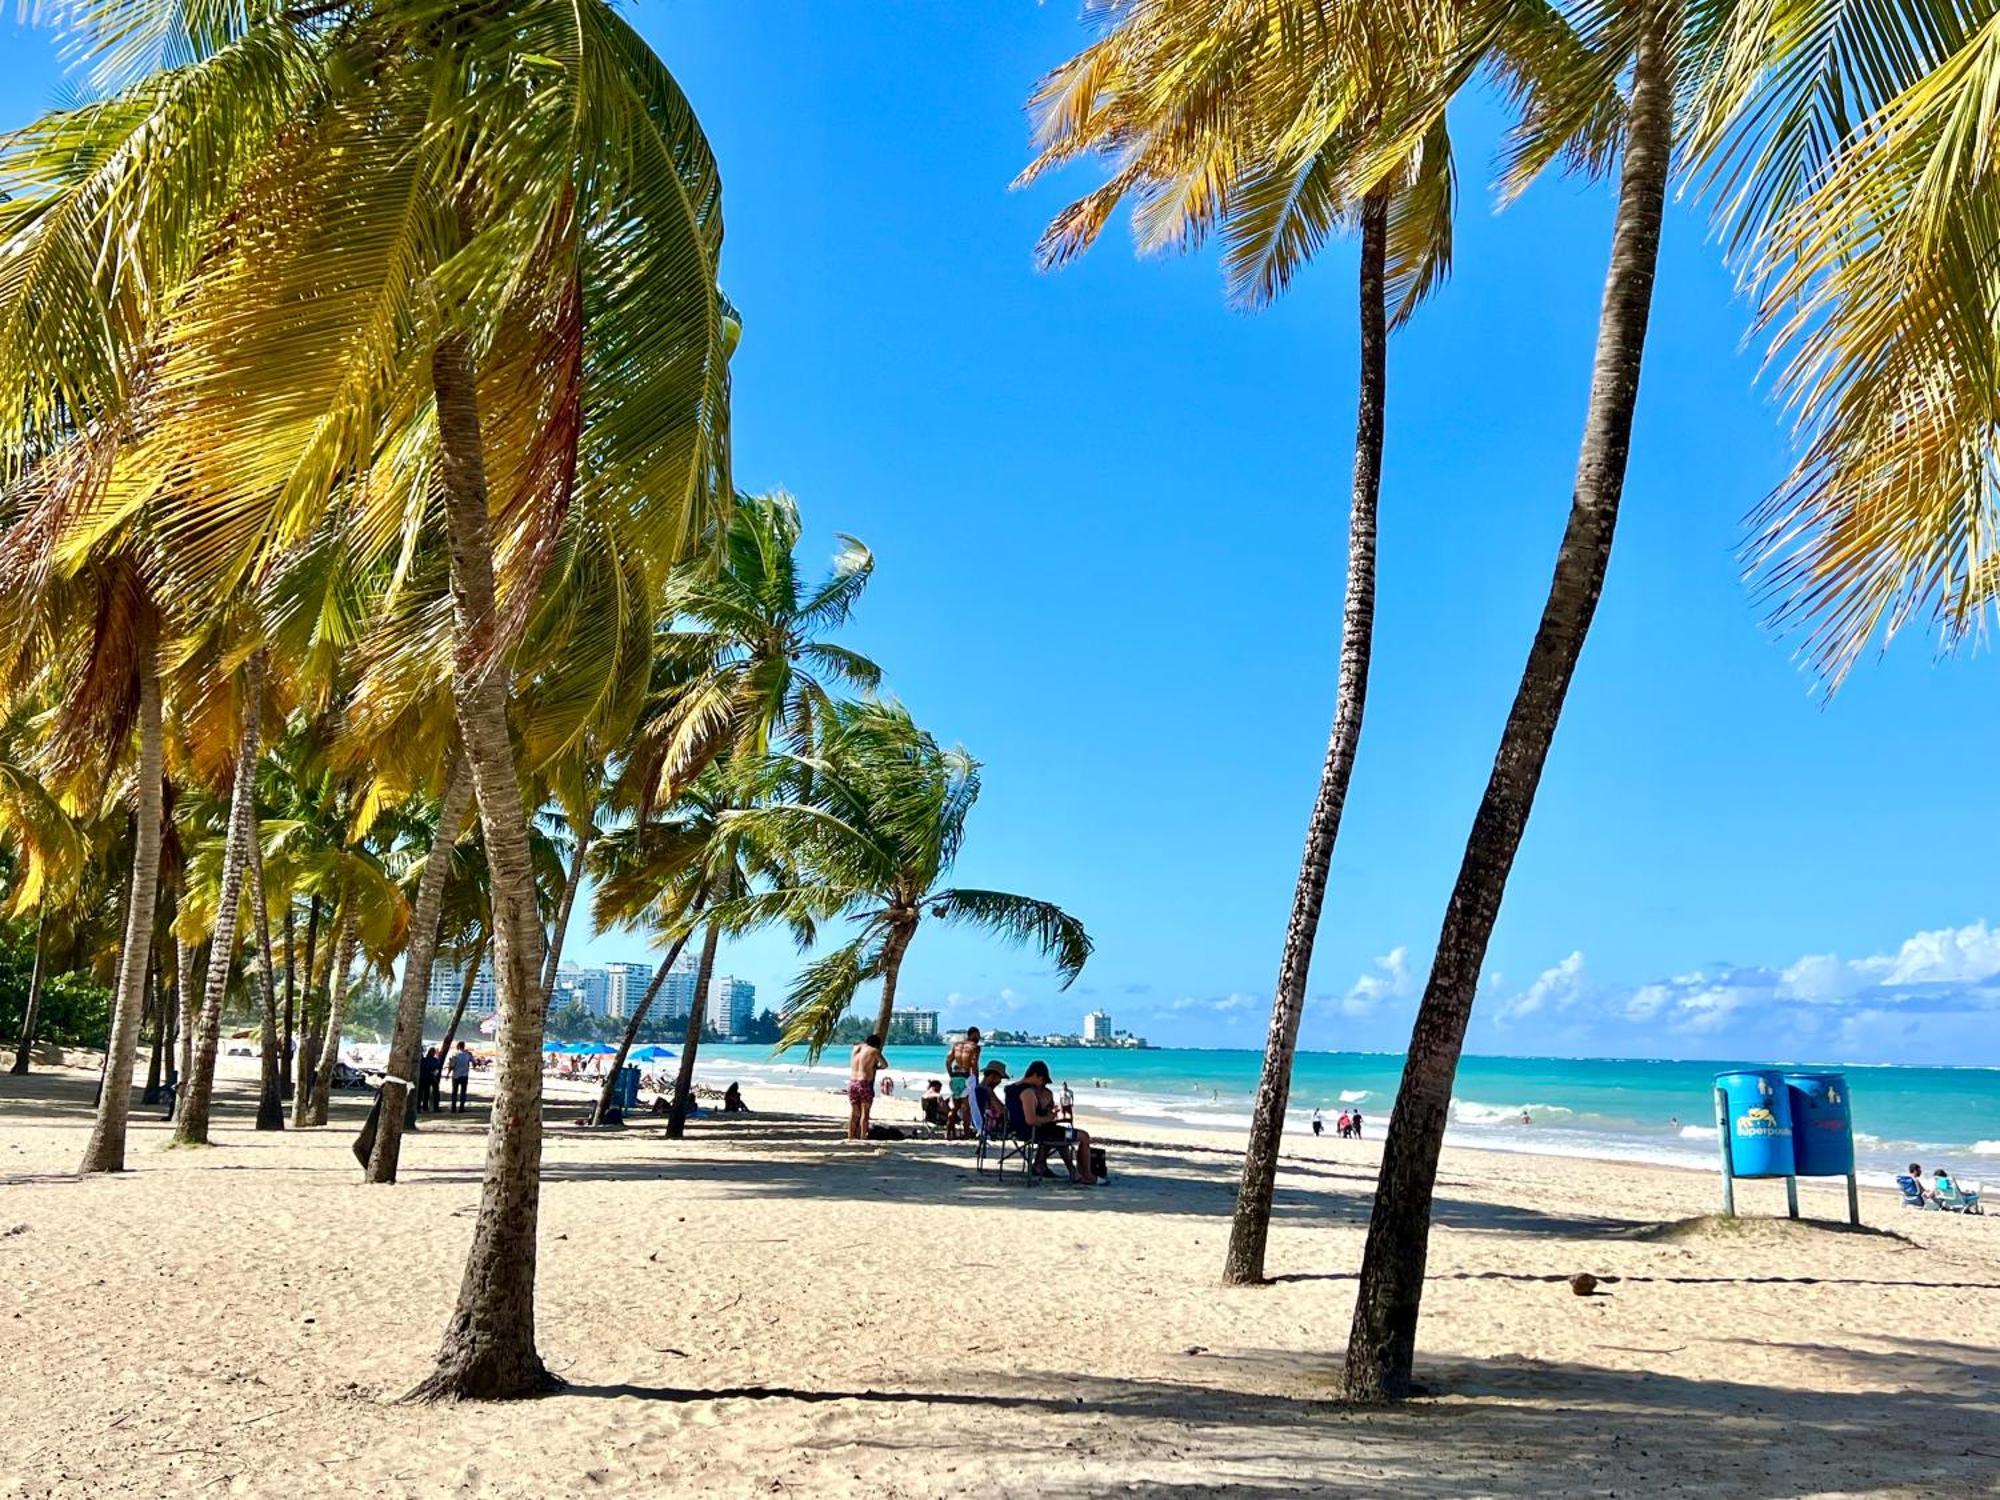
[1853,1202]
[1722,1144]
[1792,1196]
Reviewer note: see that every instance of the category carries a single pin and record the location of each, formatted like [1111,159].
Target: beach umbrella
[592,1049]
[651,1052]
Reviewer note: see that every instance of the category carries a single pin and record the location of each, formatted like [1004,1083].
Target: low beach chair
[1959,1198]
[1914,1195]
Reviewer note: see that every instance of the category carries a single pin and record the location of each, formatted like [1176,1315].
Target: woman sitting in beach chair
[1033,1102]
[1948,1195]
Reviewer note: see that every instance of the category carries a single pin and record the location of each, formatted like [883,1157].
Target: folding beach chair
[1913,1193]
[1018,1141]
[1959,1199]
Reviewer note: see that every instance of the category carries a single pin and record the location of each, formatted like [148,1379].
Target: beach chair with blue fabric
[1956,1197]
[1914,1195]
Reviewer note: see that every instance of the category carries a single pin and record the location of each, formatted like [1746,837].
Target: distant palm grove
[373,583]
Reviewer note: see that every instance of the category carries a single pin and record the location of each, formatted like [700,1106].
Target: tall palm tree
[523,203]
[1614,94]
[884,825]
[743,656]
[1209,123]
[191,1118]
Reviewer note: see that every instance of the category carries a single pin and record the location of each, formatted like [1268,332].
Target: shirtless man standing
[961,1063]
[862,1066]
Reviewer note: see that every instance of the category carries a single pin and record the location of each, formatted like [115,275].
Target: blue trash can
[628,1087]
[1758,1119]
[1822,1127]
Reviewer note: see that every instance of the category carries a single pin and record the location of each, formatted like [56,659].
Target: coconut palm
[883,827]
[485,223]
[743,657]
[669,872]
[1604,92]
[1210,124]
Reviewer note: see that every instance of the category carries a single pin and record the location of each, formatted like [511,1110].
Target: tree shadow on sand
[1514,1428]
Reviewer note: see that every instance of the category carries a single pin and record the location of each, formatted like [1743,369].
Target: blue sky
[1109,519]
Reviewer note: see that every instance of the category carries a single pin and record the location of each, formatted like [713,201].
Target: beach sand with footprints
[760,1309]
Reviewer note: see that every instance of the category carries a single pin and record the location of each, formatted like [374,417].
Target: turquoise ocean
[1626,1108]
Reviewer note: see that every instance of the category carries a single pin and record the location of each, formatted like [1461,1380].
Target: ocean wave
[1472,1112]
[1986,1148]
[1353,1096]
[1697,1132]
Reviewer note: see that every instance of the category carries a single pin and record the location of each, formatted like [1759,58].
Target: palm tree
[743,657]
[1206,123]
[695,860]
[1577,110]
[884,825]
[191,1119]
[425,917]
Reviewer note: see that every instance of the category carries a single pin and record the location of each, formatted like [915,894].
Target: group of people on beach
[1347,1126]
[981,1102]
[432,1070]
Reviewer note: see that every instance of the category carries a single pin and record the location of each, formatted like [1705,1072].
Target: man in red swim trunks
[862,1066]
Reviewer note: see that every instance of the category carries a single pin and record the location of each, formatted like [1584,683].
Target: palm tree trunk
[560,931]
[191,1127]
[106,1149]
[336,1005]
[892,964]
[489,1345]
[465,988]
[32,1016]
[189,962]
[271,1089]
[291,1003]
[1244,1262]
[704,975]
[632,1024]
[156,1011]
[407,1041]
[295,1048]
[1382,1346]
[312,1021]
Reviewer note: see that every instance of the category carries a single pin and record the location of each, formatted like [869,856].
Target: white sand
[761,1310]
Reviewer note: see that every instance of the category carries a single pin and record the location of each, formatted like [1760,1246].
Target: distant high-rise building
[591,987]
[732,1002]
[1097,1027]
[917,1025]
[448,979]
[677,994]
[624,986]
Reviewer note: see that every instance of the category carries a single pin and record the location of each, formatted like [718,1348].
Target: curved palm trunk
[106,1149]
[32,1016]
[560,931]
[1381,1348]
[191,1127]
[489,1344]
[407,1042]
[632,1025]
[336,1006]
[298,1043]
[892,965]
[271,1089]
[1244,1261]
[697,1013]
[465,988]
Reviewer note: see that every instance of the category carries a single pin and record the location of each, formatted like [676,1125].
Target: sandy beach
[760,1309]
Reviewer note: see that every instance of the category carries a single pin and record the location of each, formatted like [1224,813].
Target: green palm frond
[1041,925]
[824,992]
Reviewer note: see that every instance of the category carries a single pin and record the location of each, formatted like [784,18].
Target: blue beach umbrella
[651,1052]
[593,1049]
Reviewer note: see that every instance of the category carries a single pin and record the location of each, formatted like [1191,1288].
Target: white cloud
[1389,980]
[1561,988]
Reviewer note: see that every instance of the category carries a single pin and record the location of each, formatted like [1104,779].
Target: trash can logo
[1759,1121]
